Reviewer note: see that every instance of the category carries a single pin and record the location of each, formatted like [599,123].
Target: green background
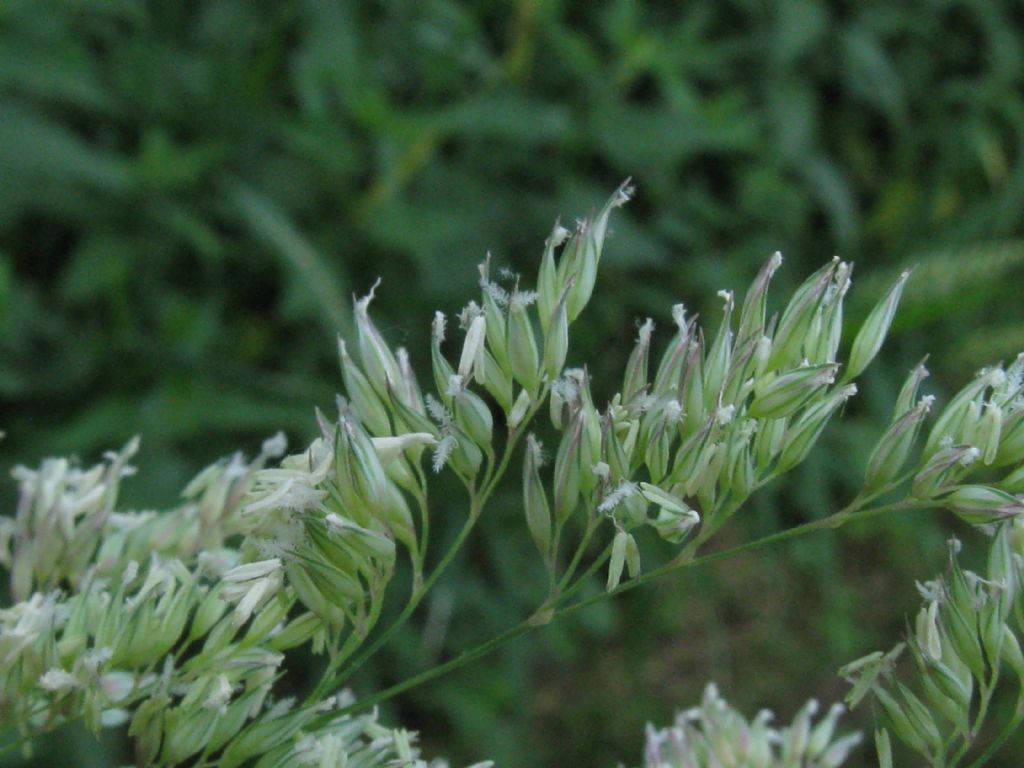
[190,192]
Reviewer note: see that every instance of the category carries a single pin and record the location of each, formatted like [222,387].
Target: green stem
[421,556]
[985,696]
[584,577]
[462,659]
[578,554]
[832,521]
[1008,730]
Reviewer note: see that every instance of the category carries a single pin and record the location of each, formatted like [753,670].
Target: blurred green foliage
[189,193]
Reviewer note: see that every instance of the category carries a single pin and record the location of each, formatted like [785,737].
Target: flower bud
[296,632]
[175,614]
[762,355]
[738,476]
[261,736]
[959,619]
[768,441]
[519,410]
[186,731]
[413,420]
[1011,446]
[1011,654]
[674,528]
[147,729]
[632,557]
[1016,537]
[559,408]
[523,357]
[567,471]
[217,639]
[663,499]
[824,346]
[991,623]
[839,751]
[1013,482]
[473,416]
[691,388]
[797,317]
[569,263]
[547,278]
[390,449]
[471,363]
[614,454]
[252,571]
[884,748]
[893,448]
[675,519]
[908,393]
[1003,569]
[209,612]
[656,453]
[494,299]
[618,559]
[590,440]
[716,367]
[988,433]
[798,440]
[871,335]
[946,692]
[927,631]
[271,614]
[943,469]
[409,392]
[910,720]
[702,468]
[380,364]
[333,584]
[251,586]
[325,607]
[458,451]
[592,235]
[232,718]
[688,455]
[863,673]
[347,545]
[364,470]
[738,381]
[787,392]
[821,736]
[633,511]
[951,420]
[706,490]
[441,368]
[981,505]
[535,500]
[556,339]
[398,517]
[367,404]
[799,733]
[666,380]
[752,315]
[635,382]
[497,381]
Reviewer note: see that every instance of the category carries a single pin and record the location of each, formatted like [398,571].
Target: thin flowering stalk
[553,613]
[478,501]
